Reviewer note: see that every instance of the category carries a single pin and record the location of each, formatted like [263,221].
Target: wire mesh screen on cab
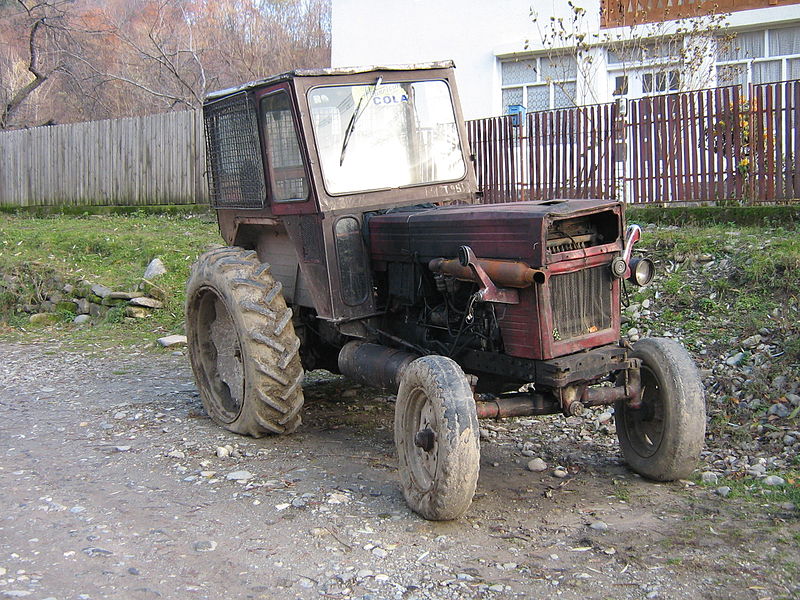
[233,152]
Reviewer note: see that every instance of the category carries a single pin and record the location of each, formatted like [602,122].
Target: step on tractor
[357,242]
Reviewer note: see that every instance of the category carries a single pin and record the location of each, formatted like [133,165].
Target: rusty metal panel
[628,13]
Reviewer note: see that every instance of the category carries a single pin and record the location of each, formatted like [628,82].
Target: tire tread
[273,395]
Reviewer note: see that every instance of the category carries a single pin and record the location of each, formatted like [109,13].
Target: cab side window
[288,174]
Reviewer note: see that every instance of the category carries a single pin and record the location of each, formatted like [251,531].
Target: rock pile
[89,301]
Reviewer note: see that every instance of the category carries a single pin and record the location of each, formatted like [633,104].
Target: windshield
[385,135]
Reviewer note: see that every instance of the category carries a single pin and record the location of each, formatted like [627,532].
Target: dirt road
[116,485]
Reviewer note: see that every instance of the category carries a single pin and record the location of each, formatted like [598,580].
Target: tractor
[356,241]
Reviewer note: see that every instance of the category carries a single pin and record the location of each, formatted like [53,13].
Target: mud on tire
[242,345]
[662,440]
[437,438]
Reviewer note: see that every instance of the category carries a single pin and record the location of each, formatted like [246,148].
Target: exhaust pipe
[373,364]
[501,272]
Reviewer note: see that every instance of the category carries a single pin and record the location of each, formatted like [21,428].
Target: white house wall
[407,31]
[476,33]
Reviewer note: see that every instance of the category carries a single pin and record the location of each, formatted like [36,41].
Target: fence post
[620,128]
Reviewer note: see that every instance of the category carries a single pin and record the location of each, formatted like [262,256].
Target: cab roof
[331,71]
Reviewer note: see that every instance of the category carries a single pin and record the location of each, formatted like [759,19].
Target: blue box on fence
[517,111]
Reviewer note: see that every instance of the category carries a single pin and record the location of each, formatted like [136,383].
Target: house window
[634,54]
[639,69]
[540,83]
[661,82]
[759,56]
[621,85]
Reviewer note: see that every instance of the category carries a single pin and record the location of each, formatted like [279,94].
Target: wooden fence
[157,159]
[701,146]
[566,153]
[772,137]
[685,147]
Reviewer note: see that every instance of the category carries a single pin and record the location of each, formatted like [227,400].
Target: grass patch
[740,274]
[82,211]
[705,215]
[776,265]
[621,491]
[112,250]
[753,490]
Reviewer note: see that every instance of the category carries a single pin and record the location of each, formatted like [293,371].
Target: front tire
[662,440]
[242,346]
[437,438]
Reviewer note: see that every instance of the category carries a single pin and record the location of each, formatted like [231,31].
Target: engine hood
[515,231]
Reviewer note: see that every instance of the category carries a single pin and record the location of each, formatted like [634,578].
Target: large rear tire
[242,346]
[662,440]
[437,438]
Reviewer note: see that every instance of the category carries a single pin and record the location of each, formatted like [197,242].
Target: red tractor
[356,242]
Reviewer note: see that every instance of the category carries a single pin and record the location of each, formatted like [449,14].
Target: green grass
[760,256]
[622,491]
[761,274]
[752,490]
[705,215]
[112,250]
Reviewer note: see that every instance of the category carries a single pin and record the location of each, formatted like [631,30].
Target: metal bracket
[632,236]
[489,292]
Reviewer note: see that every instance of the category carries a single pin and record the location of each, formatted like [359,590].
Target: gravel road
[115,484]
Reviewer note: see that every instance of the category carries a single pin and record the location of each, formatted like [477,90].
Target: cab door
[290,187]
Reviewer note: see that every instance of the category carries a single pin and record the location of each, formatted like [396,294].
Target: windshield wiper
[361,107]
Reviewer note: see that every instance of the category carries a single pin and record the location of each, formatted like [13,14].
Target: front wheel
[437,438]
[663,438]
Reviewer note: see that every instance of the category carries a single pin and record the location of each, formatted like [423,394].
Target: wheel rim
[645,425]
[220,356]
[420,419]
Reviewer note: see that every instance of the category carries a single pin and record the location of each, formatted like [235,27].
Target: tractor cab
[332,140]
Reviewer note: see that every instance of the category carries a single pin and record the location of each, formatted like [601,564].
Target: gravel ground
[116,485]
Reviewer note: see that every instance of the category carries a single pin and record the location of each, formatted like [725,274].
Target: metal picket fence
[713,145]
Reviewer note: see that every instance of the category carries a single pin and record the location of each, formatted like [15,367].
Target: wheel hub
[425,439]
[228,365]
[645,422]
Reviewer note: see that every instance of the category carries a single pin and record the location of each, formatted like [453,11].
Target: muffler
[373,364]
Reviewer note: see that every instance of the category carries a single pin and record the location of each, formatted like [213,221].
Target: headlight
[642,271]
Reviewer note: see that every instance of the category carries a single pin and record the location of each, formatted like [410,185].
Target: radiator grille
[581,302]
[235,170]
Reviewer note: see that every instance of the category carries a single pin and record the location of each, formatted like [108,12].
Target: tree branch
[38,77]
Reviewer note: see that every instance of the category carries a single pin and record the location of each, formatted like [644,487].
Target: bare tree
[168,54]
[88,59]
[679,53]
[45,25]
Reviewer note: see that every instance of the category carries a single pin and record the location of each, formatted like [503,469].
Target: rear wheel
[663,438]
[437,438]
[242,346]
